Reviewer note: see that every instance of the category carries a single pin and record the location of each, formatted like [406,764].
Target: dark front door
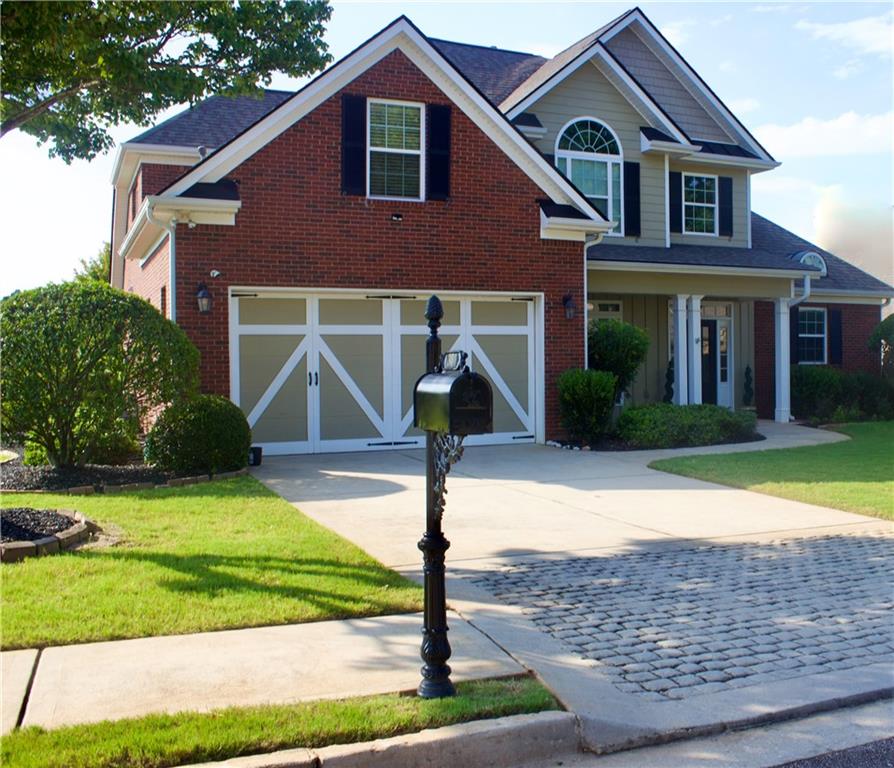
[709,361]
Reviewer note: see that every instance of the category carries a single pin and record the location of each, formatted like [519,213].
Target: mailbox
[457,402]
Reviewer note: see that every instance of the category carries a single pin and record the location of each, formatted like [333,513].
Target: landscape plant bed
[30,524]
[30,532]
[221,555]
[170,740]
[16,476]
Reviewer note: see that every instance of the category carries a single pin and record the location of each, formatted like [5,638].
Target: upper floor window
[395,149]
[588,152]
[699,204]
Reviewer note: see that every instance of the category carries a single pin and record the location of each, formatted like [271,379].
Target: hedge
[586,399]
[662,425]
[821,393]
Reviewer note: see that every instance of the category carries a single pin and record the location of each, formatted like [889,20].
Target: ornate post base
[435,645]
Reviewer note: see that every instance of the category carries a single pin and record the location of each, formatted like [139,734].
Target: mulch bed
[29,524]
[15,476]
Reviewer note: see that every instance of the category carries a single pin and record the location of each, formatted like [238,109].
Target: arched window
[588,152]
[812,259]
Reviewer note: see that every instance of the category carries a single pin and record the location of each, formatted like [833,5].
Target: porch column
[783,363]
[681,379]
[694,352]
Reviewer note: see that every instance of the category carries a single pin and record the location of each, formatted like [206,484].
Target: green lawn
[856,475]
[168,740]
[205,557]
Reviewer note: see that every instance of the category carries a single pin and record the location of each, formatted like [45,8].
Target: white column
[783,363]
[681,386]
[694,353]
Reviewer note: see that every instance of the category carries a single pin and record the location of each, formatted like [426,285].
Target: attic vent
[811,259]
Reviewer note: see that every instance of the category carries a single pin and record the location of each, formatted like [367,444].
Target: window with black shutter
[353,145]
[725,206]
[396,148]
[632,227]
[675,201]
[438,158]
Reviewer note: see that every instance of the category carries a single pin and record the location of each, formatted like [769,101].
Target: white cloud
[727,66]
[847,134]
[870,35]
[721,20]
[677,31]
[848,69]
[743,106]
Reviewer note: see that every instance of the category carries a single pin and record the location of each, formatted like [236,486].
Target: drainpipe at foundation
[171,228]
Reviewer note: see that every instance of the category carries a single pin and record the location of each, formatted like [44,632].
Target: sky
[813,82]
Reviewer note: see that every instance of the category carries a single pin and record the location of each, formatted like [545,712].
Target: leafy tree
[96,268]
[71,69]
[619,348]
[83,363]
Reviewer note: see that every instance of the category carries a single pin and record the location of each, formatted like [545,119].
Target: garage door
[335,372]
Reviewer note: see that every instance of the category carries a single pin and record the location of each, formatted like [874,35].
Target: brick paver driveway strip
[653,605]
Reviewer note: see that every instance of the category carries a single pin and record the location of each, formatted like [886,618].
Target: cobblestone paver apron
[672,623]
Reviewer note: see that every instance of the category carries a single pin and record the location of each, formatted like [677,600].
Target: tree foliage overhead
[97,268]
[71,69]
[84,363]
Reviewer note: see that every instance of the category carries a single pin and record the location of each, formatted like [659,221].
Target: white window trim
[420,152]
[824,336]
[595,314]
[570,154]
[716,205]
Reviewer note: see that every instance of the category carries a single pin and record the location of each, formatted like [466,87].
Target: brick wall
[857,323]
[297,229]
[149,279]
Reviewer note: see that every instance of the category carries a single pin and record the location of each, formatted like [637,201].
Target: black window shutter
[793,335]
[353,145]
[725,212]
[438,158]
[834,333]
[675,202]
[631,199]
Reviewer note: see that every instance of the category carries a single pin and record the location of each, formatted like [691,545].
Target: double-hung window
[812,335]
[396,149]
[699,204]
[589,153]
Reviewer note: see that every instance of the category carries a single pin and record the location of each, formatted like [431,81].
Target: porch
[709,318]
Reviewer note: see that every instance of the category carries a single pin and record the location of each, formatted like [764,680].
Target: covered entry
[324,372]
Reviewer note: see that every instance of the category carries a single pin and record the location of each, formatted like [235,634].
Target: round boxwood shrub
[661,425]
[586,399]
[617,347]
[205,434]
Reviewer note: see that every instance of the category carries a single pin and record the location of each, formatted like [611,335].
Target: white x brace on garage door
[335,371]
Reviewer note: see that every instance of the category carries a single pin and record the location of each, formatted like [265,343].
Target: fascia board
[665,147]
[413,44]
[694,269]
[851,293]
[133,153]
[755,164]
[162,205]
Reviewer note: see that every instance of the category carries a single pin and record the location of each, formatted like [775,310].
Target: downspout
[588,241]
[806,295]
[171,228]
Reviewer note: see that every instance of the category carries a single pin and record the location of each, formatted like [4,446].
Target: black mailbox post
[449,402]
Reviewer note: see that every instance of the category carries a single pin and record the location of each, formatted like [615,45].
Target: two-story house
[297,236]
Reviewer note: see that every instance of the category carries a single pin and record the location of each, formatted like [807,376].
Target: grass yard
[168,740]
[205,557]
[856,475]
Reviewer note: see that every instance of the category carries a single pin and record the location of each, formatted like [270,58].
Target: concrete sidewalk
[244,667]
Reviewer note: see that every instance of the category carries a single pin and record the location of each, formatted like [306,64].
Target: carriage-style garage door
[335,372]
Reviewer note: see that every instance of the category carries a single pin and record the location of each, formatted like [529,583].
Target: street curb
[505,741]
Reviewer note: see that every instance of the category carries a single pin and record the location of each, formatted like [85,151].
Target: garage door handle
[316,379]
[310,378]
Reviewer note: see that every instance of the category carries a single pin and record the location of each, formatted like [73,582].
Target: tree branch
[38,109]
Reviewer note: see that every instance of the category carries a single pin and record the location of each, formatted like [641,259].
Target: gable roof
[214,121]
[401,35]
[493,71]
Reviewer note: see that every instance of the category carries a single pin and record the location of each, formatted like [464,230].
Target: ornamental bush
[206,434]
[882,341]
[825,394]
[83,364]
[586,399]
[617,347]
[661,425]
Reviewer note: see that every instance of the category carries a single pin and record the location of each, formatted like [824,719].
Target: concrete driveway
[507,501]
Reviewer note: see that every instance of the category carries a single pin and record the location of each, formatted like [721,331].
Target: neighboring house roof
[493,71]
[213,122]
[841,275]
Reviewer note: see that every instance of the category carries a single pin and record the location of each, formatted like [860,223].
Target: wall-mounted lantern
[203,299]
[570,308]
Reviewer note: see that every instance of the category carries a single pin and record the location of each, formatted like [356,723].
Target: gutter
[802,297]
[171,228]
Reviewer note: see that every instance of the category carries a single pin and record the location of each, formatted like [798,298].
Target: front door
[709,361]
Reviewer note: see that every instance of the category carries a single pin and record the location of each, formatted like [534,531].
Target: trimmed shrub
[669,376]
[586,399]
[660,425]
[206,434]
[882,341]
[618,348]
[83,364]
[824,394]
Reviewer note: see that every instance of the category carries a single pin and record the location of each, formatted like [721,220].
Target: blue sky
[813,81]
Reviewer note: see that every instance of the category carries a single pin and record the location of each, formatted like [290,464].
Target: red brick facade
[297,229]
[151,279]
[858,321]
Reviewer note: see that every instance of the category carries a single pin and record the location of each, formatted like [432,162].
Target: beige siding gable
[740,204]
[668,91]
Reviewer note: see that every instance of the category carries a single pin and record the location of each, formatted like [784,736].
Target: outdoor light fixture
[568,303]
[203,298]
[397,217]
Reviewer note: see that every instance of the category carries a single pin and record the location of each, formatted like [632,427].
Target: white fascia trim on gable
[400,35]
[635,95]
[756,165]
[695,269]
[843,296]
[532,132]
[692,77]
[159,154]
[579,230]
[666,147]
